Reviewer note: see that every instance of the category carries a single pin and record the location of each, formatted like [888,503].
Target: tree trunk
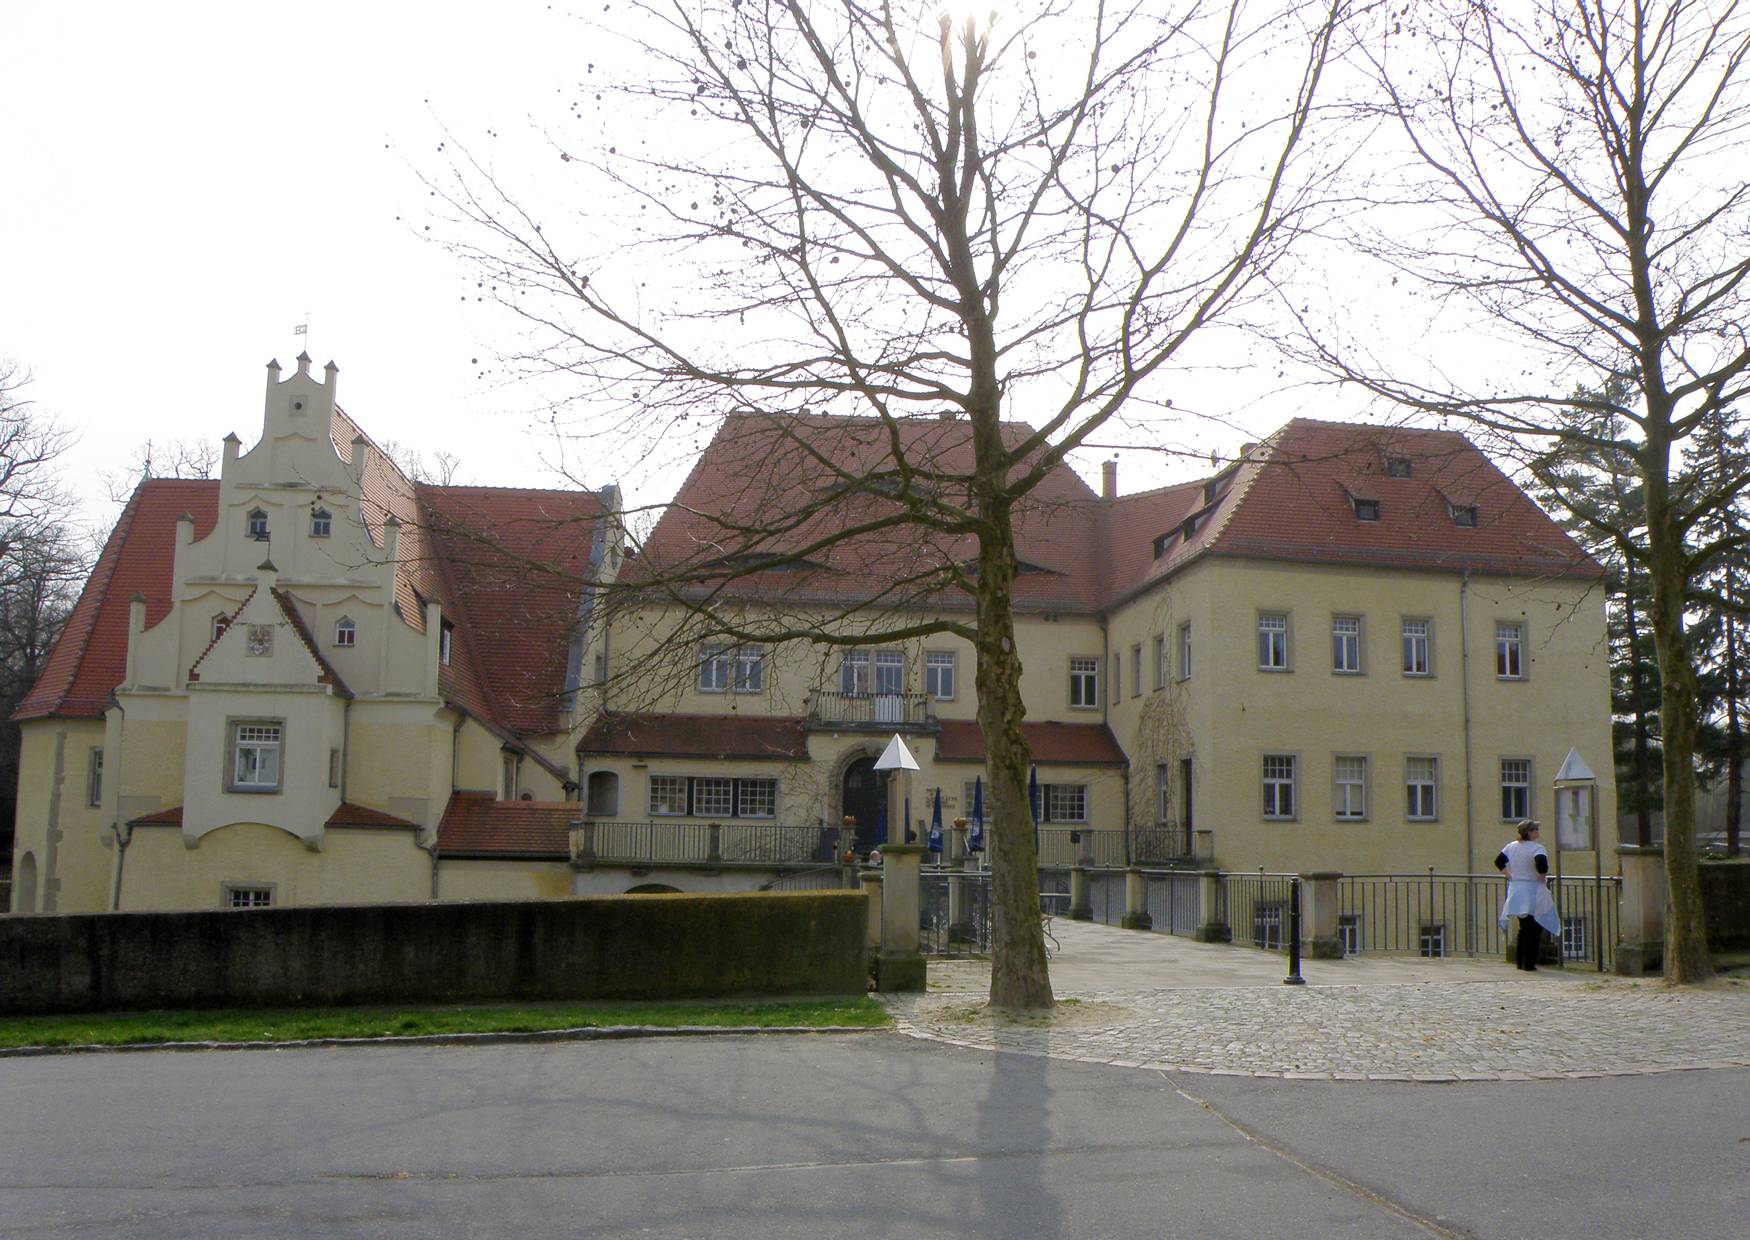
[1643,792]
[1734,739]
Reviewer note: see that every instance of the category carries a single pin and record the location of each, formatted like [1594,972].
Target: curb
[584,1033]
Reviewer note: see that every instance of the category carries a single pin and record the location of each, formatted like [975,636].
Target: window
[1421,779]
[1136,670]
[94,779]
[713,669]
[854,673]
[750,669]
[446,642]
[1064,802]
[1509,651]
[1349,933]
[1349,793]
[1267,926]
[602,795]
[234,895]
[939,667]
[255,756]
[702,796]
[1117,681]
[1367,510]
[1346,645]
[1278,785]
[1185,651]
[345,632]
[221,622]
[1084,683]
[1573,938]
[1464,516]
[1160,660]
[321,523]
[255,525]
[1432,941]
[1272,641]
[990,806]
[889,673]
[1417,647]
[1515,789]
[1164,792]
[1397,466]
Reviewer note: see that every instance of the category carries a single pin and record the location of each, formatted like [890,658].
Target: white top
[1522,858]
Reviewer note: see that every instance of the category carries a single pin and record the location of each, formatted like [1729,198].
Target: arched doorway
[865,799]
[24,885]
[603,800]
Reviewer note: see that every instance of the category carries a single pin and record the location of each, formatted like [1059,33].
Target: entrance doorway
[865,799]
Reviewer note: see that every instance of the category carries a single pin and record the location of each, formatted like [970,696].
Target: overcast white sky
[186,182]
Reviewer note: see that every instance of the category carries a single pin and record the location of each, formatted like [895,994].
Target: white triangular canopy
[896,757]
[1574,769]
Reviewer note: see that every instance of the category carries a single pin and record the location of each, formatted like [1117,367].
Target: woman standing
[1526,866]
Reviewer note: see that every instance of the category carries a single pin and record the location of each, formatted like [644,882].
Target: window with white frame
[1515,789]
[446,642]
[750,669]
[1136,670]
[1418,647]
[1432,940]
[1573,938]
[668,796]
[1421,780]
[1160,660]
[1064,802]
[239,895]
[256,748]
[1278,785]
[94,779]
[321,523]
[345,632]
[1084,683]
[1185,651]
[1272,641]
[1346,644]
[939,674]
[756,798]
[1163,792]
[712,796]
[1509,651]
[854,673]
[889,672]
[1117,680]
[1349,933]
[1349,794]
[255,525]
[714,668]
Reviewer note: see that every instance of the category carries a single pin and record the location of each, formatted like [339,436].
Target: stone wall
[628,947]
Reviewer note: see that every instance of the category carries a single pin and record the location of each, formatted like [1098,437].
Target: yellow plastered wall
[72,862]
[393,766]
[354,866]
[503,880]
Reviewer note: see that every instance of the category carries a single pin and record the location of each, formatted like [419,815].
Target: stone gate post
[1318,916]
[1136,902]
[1640,934]
[900,965]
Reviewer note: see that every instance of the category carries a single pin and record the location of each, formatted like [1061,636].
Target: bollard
[1294,978]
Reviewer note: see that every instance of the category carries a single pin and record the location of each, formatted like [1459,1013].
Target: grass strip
[294,1024]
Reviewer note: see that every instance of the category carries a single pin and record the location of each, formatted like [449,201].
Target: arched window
[345,632]
[604,795]
[321,523]
[256,528]
[24,885]
[221,622]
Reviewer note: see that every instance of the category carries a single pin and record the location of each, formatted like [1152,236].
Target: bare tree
[790,209]
[442,468]
[1574,188]
[170,458]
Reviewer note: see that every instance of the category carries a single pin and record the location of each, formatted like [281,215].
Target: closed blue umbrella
[975,840]
[1033,802]
[936,824]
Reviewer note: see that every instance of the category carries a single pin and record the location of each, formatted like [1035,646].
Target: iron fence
[954,912]
[828,708]
[822,878]
[695,843]
[1254,907]
[1434,914]
[1175,901]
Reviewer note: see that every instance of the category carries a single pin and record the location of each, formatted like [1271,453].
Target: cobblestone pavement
[1154,1001]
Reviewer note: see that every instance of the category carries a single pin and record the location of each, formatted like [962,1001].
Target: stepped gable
[90,657]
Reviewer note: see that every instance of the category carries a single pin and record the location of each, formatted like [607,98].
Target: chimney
[1109,479]
[360,446]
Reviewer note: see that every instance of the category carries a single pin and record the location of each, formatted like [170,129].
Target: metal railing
[601,842]
[954,913]
[1254,907]
[1434,914]
[831,708]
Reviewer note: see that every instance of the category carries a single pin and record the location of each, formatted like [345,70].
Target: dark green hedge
[622,947]
[1725,894]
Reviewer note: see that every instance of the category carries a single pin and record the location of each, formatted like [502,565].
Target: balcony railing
[829,708]
[1105,847]
[750,844]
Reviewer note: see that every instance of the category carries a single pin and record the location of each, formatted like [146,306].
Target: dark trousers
[1530,942]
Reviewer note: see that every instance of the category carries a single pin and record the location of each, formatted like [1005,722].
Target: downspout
[1470,867]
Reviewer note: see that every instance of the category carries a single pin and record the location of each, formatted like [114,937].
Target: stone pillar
[1136,902]
[1318,916]
[900,965]
[871,880]
[585,859]
[1214,927]
[714,844]
[1640,933]
[1081,904]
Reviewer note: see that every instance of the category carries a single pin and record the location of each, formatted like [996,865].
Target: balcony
[729,845]
[832,711]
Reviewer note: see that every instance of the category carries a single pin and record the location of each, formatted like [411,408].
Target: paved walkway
[1159,1001]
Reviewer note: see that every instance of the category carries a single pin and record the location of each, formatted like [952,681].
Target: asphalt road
[867,1135]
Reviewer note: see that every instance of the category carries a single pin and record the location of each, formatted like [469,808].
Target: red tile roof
[1061,744]
[346,814]
[477,825]
[171,817]
[697,736]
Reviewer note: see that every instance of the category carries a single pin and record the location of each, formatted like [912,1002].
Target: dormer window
[221,622]
[1397,466]
[256,525]
[446,642]
[1464,515]
[321,523]
[1367,510]
[346,632]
